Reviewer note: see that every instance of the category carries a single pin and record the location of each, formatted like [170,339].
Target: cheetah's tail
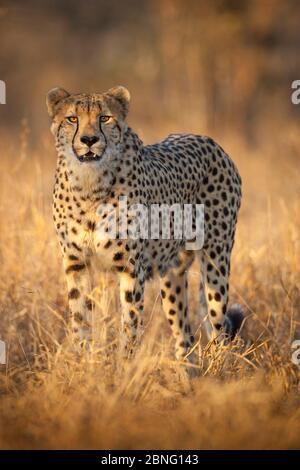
[234,319]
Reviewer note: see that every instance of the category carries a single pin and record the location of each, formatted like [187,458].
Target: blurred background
[207,66]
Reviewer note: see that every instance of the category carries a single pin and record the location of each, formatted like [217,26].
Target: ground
[247,395]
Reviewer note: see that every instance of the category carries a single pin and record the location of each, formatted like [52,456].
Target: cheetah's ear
[122,96]
[53,97]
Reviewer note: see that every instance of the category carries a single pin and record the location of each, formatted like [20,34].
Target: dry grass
[246,396]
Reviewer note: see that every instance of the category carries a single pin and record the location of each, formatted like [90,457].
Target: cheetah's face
[88,127]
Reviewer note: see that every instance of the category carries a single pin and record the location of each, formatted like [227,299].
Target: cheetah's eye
[72,119]
[105,118]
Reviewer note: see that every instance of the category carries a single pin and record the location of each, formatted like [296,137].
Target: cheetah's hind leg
[215,277]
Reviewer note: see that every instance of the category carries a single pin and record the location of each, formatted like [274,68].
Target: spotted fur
[100,159]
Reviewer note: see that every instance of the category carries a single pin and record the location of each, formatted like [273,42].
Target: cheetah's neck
[94,183]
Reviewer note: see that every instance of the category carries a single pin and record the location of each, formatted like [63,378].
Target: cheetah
[100,160]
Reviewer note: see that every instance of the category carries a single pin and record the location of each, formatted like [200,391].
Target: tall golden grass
[247,393]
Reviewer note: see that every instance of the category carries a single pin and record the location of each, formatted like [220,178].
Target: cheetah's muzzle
[89,157]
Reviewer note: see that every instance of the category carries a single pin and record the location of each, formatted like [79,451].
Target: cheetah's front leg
[132,302]
[80,305]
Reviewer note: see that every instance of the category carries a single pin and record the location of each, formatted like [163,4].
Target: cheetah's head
[88,127]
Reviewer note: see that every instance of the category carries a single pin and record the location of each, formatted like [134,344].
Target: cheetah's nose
[89,140]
